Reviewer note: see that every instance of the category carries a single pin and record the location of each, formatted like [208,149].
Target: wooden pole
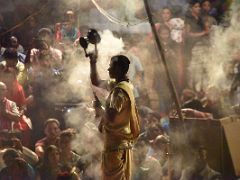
[161,51]
[169,78]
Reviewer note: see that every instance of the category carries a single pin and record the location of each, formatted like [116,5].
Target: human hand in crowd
[196,114]
[187,112]
[76,43]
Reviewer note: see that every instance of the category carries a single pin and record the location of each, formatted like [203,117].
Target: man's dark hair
[11,54]
[203,1]
[122,62]
[193,2]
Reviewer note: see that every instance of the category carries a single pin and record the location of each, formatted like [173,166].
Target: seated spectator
[50,166]
[16,94]
[8,140]
[200,168]
[42,56]
[68,158]
[15,90]
[9,114]
[20,51]
[52,132]
[10,59]
[16,167]
[46,35]
[15,44]
[146,167]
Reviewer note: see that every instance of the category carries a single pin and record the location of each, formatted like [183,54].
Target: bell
[83,42]
[93,36]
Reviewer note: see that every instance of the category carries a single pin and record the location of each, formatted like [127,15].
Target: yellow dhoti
[116,165]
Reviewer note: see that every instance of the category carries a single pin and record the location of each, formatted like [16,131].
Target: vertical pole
[160,49]
[171,84]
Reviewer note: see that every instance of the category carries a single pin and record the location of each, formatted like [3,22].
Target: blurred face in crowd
[166,14]
[46,37]
[14,42]
[65,143]
[54,157]
[52,130]
[11,62]
[164,34]
[44,58]
[69,16]
[3,90]
[68,26]
[206,6]
[8,160]
[196,9]
[153,132]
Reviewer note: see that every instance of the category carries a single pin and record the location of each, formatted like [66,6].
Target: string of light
[114,19]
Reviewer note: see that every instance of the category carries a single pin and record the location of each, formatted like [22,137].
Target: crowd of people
[36,142]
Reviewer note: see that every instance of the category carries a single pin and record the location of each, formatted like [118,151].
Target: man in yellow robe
[120,122]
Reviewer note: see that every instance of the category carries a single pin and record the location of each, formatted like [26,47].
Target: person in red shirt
[15,90]
[9,113]
[16,94]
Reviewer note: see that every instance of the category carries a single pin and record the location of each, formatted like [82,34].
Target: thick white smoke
[214,62]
